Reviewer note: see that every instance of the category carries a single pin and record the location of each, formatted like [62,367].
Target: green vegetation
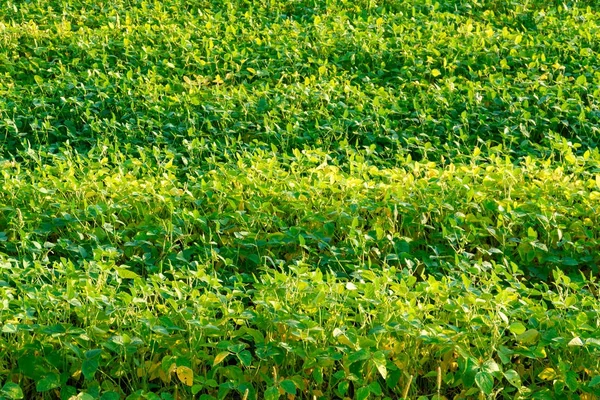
[299,199]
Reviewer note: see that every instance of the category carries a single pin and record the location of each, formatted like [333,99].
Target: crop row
[266,205]
[407,78]
[98,330]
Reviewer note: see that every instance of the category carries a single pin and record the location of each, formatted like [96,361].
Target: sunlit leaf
[485,382]
[185,375]
[220,357]
[11,391]
[513,378]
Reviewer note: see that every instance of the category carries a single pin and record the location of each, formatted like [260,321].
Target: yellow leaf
[220,357]
[126,274]
[548,374]
[163,376]
[435,72]
[154,371]
[343,339]
[576,341]
[185,375]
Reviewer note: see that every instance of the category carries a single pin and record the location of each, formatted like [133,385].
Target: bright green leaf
[517,328]
[513,378]
[11,391]
[126,273]
[363,393]
[272,393]
[380,362]
[49,382]
[485,382]
[595,381]
[490,366]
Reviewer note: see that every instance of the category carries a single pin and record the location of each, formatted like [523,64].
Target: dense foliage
[299,199]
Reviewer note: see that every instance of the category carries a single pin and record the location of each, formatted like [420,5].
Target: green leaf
[485,382]
[375,388]
[318,375]
[110,396]
[571,381]
[93,353]
[342,387]
[595,381]
[513,378]
[380,362]
[363,393]
[11,391]
[359,355]
[490,366]
[504,353]
[530,336]
[272,393]
[125,273]
[517,328]
[89,368]
[49,382]
[531,233]
[581,80]
[245,358]
[288,386]
[469,372]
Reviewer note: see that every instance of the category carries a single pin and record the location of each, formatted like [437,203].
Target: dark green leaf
[288,386]
[89,368]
